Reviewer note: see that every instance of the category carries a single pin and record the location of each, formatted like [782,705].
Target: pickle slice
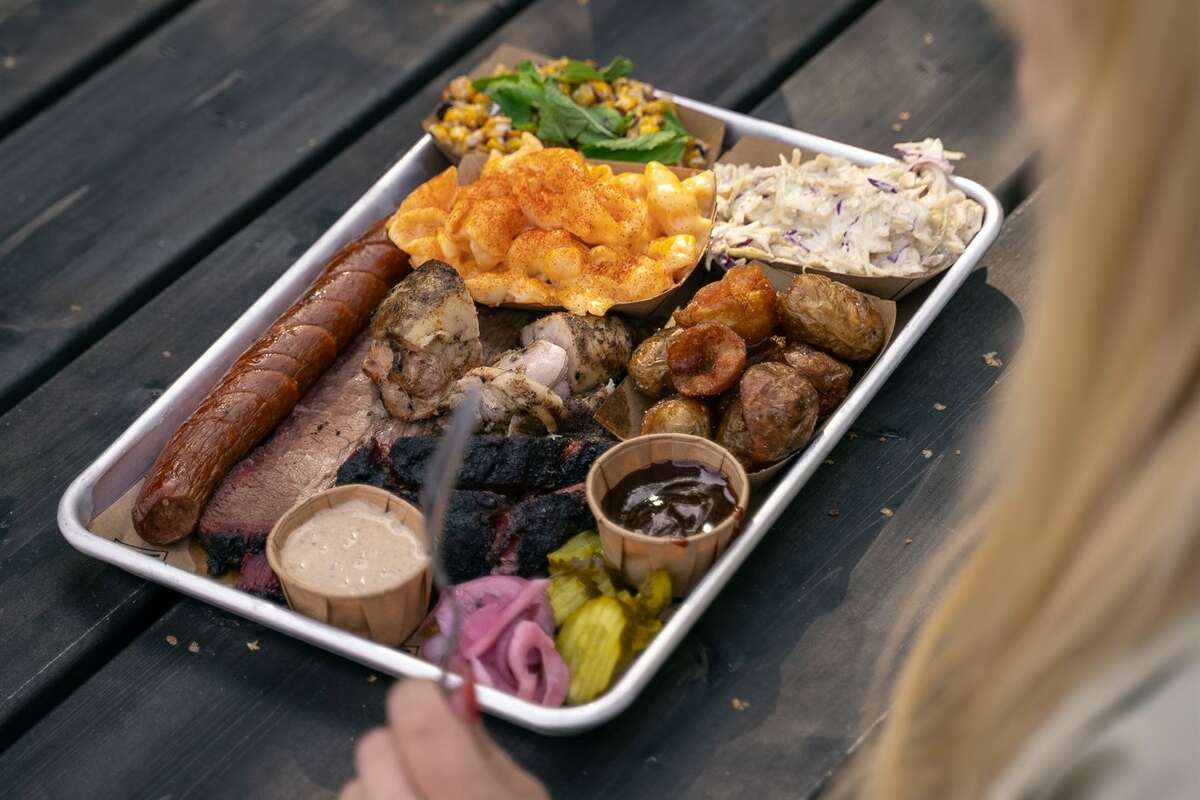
[578,552]
[567,592]
[654,594]
[644,633]
[595,643]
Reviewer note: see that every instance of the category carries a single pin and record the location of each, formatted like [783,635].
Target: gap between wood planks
[161,600]
[267,196]
[89,65]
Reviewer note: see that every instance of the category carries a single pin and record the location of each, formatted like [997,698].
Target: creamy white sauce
[353,548]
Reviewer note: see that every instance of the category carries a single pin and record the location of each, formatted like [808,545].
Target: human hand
[432,748]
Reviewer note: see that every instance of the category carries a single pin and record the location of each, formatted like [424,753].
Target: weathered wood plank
[795,635]
[937,68]
[121,186]
[48,47]
[47,439]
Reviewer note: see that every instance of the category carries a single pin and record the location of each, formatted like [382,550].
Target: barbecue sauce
[670,499]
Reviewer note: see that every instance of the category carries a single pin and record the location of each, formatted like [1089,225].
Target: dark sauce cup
[635,554]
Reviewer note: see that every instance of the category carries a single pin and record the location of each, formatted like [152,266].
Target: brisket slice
[540,525]
[301,457]
[256,577]
[503,463]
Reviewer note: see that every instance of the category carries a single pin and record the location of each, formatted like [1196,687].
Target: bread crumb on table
[252,646]
[372,678]
[887,512]
[193,647]
[172,640]
[739,704]
[939,407]
[992,359]
[927,453]
[833,512]
[928,39]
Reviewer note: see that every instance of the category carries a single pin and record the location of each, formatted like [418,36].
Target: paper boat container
[759,151]
[636,554]
[472,166]
[624,410]
[705,128]
[389,616]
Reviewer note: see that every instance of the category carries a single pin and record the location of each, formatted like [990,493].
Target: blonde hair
[1089,541]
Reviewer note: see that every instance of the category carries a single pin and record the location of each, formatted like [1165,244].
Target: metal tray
[125,461]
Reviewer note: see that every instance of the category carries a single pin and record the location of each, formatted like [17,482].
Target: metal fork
[440,479]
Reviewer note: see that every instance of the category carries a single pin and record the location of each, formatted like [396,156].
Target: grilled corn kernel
[625,103]
[492,144]
[584,94]
[453,115]
[439,131]
[481,98]
[602,90]
[650,124]
[460,88]
[653,107]
[458,133]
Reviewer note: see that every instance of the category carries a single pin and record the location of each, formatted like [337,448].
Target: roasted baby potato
[744,300]
[678,415]
[648,366]
[706,359]
[773,415]
[832,316]
[830,377]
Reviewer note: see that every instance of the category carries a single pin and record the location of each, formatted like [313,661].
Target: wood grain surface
[126,370]
[795,635]
[47,47]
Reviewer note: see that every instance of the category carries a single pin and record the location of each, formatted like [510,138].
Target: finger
[440,752]
[352,791]
[380,771]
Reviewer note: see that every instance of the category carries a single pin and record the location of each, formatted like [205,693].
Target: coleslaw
[899,219]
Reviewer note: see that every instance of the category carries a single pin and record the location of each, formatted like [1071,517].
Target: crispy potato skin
[831,316]
[830,377]
[743,299]
[706,359]
[648,367]
[678,415]
[774,415]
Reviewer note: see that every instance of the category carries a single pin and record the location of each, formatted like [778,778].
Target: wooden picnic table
[163,161]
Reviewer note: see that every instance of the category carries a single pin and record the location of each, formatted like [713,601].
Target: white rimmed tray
[126,460]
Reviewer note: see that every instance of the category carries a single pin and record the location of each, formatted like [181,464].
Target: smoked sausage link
[264,385]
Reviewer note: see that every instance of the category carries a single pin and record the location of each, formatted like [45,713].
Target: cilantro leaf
[578,72]
[515,106]
[530,71]
[611,119]
[671,121]
[563,119]
[665,146]
[482,84]
[619,67]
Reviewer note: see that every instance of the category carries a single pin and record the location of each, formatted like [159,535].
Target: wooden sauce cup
[388,616]
[635,554]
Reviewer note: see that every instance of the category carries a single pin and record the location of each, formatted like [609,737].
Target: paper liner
[389,616]
[706,128]
[635,554]
[759,151]
[624,410]
[471,168]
